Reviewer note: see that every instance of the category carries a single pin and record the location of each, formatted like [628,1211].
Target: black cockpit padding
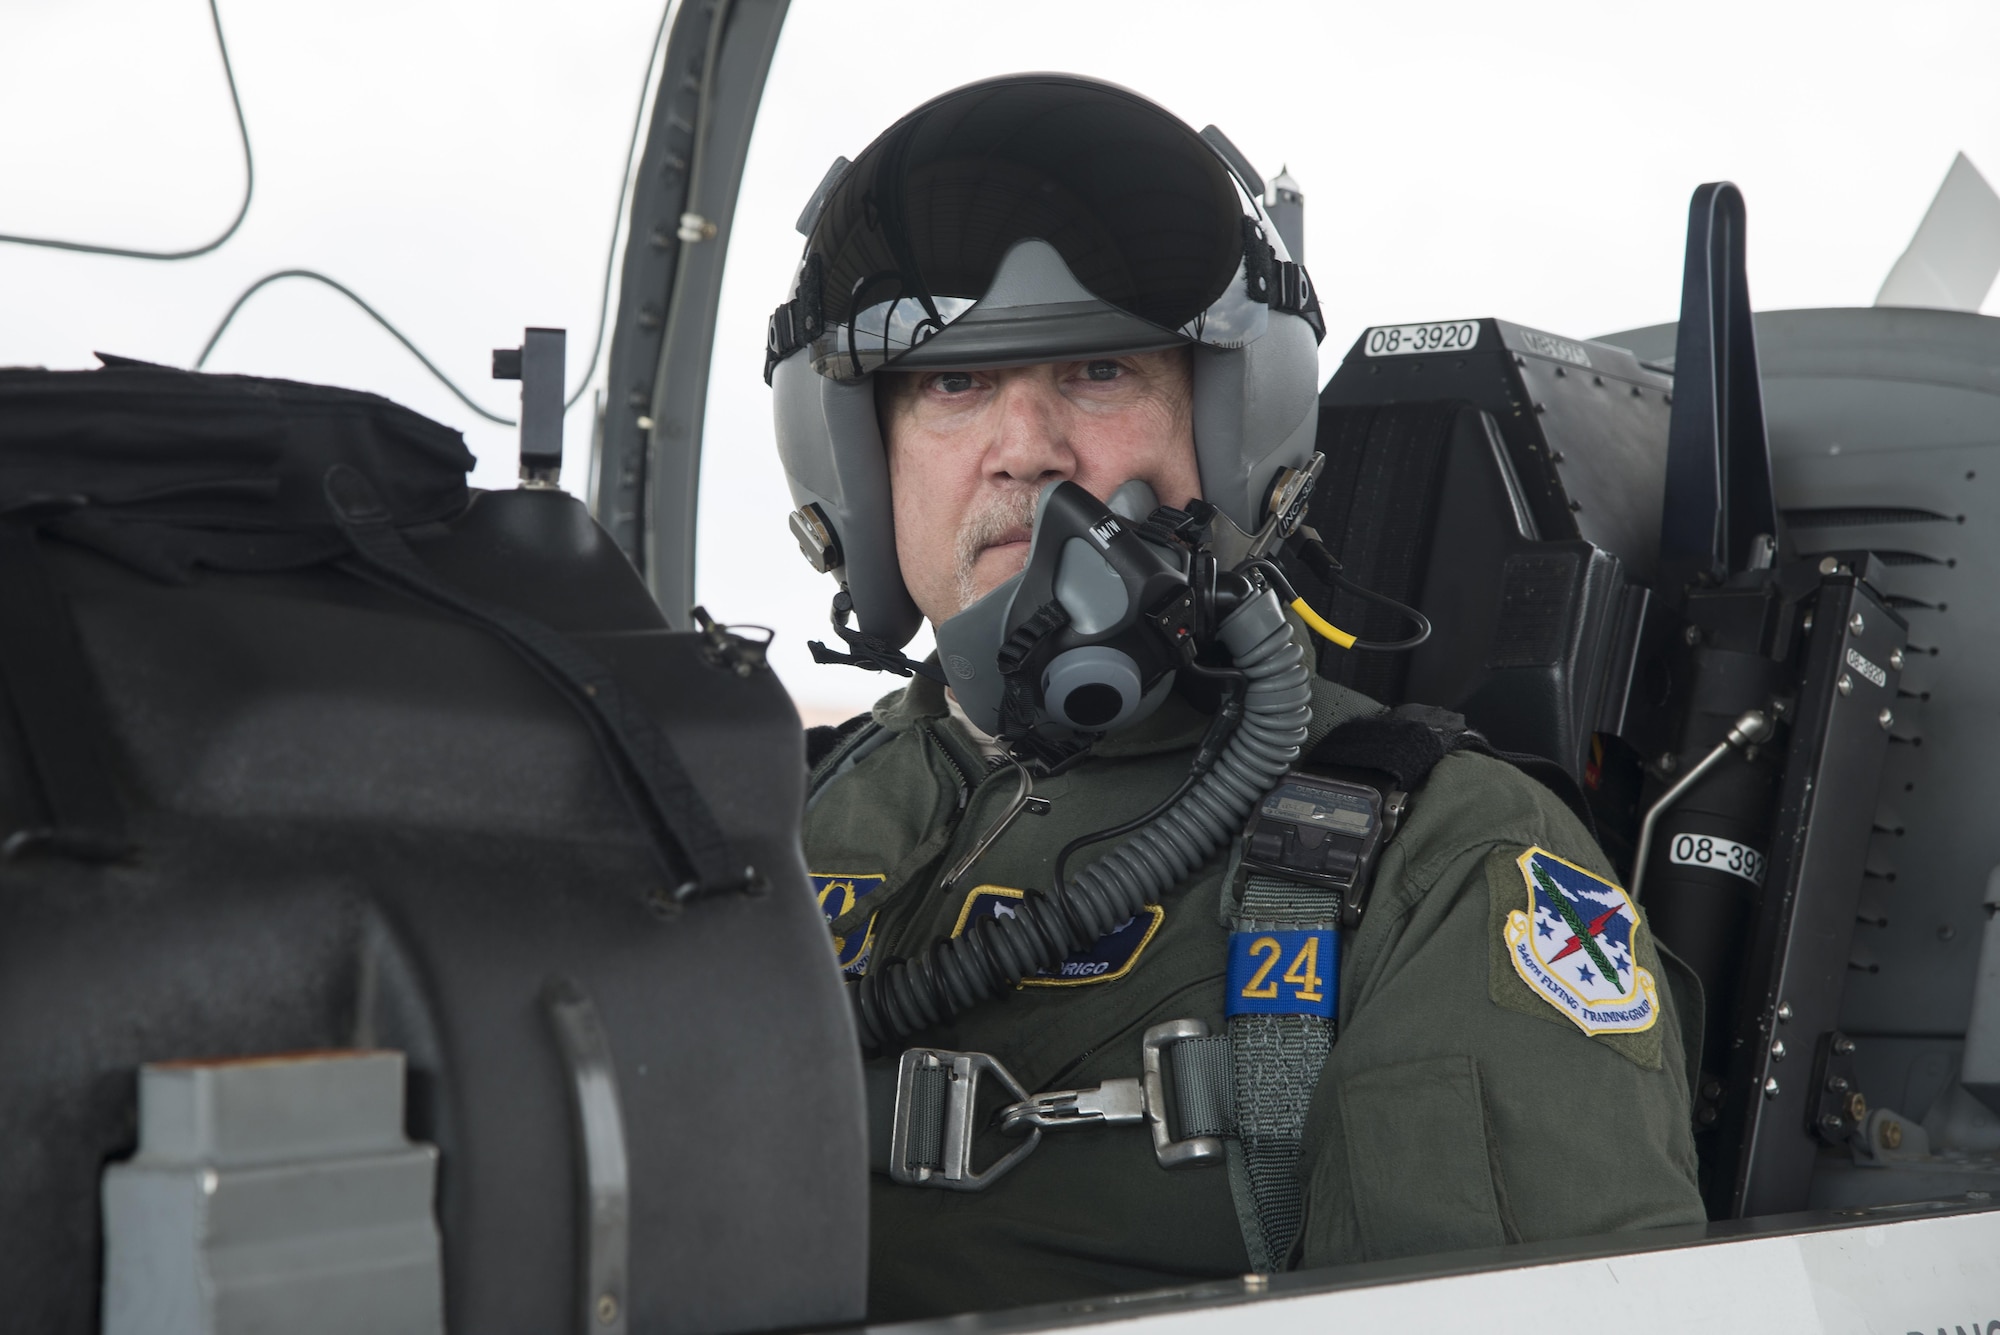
[362,821]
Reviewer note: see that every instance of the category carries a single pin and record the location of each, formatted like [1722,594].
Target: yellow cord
[1321,626]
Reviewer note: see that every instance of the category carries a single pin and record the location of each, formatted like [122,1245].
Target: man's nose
[1030,433]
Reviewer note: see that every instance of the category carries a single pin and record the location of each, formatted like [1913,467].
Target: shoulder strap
[1407,742]
[1276,1059]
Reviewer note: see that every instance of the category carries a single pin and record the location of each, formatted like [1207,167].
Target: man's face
[969,451]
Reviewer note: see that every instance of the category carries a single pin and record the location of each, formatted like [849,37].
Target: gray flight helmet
[1095,224]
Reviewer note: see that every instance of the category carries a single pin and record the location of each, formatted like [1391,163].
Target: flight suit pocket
[1419,1159]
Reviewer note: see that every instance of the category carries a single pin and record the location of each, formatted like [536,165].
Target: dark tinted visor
[1139,208]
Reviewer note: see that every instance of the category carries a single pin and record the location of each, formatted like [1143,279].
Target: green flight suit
[1458,1109]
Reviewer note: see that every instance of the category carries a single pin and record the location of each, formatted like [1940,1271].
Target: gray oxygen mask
[1087,638]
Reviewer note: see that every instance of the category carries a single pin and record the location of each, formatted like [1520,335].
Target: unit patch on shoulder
[1110,956]
[838,893]
[1574,947]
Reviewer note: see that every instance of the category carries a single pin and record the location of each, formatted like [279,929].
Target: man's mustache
[1006,513]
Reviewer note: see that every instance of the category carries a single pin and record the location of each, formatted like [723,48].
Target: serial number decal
[1701,850]
[1562,349]
[1867,669]
[1397,340]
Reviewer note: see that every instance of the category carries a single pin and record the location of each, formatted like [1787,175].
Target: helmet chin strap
[869,652]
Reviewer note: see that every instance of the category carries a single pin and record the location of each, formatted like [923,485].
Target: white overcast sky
[456,161]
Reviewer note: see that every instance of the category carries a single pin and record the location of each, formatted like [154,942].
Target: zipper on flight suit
[965,781]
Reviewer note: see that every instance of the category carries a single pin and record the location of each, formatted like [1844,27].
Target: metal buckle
[1170,1152]
[1126,1101]
[1113,1103]
[954,1172]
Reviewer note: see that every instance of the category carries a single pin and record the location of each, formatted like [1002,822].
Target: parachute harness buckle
[935,1124]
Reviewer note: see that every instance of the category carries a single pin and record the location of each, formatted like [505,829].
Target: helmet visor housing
[1140,210]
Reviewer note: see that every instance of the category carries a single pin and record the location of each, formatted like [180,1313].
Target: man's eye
[1103,371]
[952,382]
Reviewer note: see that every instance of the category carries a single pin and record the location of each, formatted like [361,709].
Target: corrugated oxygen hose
[904,996]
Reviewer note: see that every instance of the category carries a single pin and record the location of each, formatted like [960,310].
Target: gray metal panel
[1798,959]
[273,1194]
[1871,412]
[646,480]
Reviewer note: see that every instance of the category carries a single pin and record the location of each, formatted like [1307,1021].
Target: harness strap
[1275,1063]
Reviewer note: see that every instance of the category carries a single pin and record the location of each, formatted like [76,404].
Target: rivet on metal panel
[1856,624]
[1771,1087]
[1886,719]
[1828,564]
[1692,634]
[1784,1010]
[1845,685]
[1896,659]
[1778,1051]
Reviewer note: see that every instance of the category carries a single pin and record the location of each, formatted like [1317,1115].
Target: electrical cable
[1324,565]
[372,313]
[604,290]
[249,185]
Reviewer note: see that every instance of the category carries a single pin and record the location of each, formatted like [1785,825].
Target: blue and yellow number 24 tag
[1283,973]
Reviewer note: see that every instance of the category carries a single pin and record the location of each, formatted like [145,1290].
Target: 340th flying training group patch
[1574,947]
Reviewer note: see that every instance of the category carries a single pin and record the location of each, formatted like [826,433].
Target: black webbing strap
[684,833]
[61,720]
[1407,742]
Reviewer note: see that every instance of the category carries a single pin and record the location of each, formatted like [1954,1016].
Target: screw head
[1668,762]
[1891,1135]
[1843,1045]
[1886,719]
[1778,1051]
[1836,1084]
[1828,564]
[1845,685]
[1857,1106]
[1896,659]
[1856,624]
[1707,1116]
[607,1309]
[1770,1086]
[1831,1121]
[1784,1010]
[1711,1089]
[1692,635]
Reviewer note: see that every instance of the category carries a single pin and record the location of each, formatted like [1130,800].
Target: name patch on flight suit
[1573,946]
[1110,956]
[1283,973]
[838,893]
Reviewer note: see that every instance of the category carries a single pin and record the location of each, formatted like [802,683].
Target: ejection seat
[1508,483]
[1595,541]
